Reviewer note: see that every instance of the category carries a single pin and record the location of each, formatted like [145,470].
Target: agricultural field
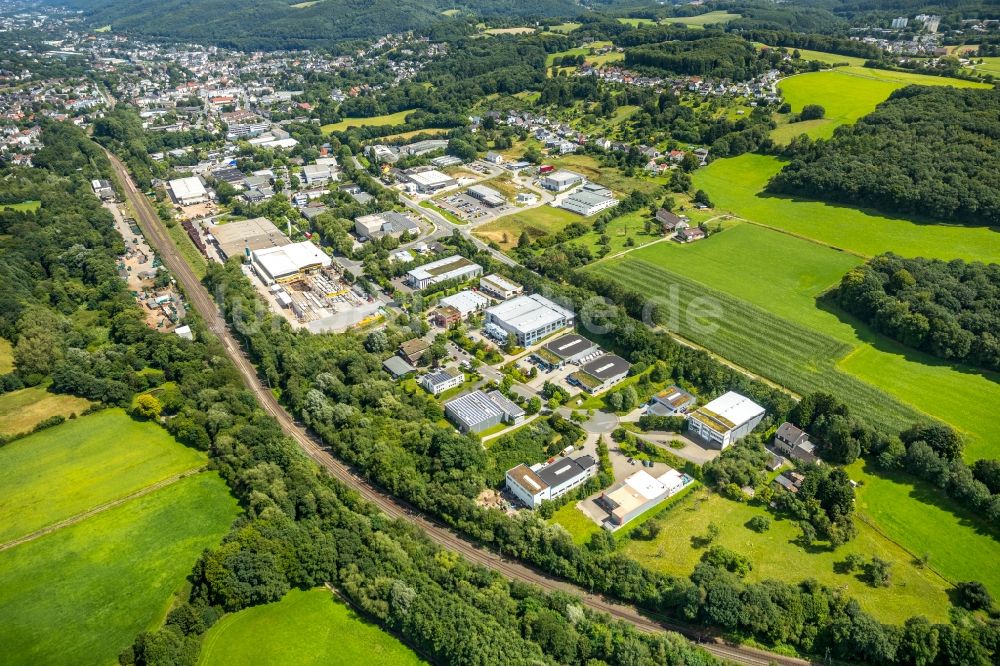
[793,355]
[702,20]
[6,356]
[303,628]
[23,206]
[397,118]
[777,555]
[402,136]
[568,26]
[780,278]
[956,543]
[62,471]
[20,411]
[635,22]
[55,591]
[989,66]
[736,185]
[524,30]
[847,94]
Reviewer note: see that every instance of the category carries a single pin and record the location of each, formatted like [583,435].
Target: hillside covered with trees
[927,150]
[949,309]
[724,57]
[277,24]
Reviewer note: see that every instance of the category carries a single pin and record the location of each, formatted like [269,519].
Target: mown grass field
[412,133]
[580,527]
[538,222]
[303,628]
[847,94]
[792,355]
[736,185]
[23,206]
[81,594]
[775,554]
[914,515]
[989,65]
[6,356]
[702,20]
[20,411]
[783,276]
[397,118]
[63,471]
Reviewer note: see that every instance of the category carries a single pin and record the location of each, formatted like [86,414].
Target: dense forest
[278,24]
[927,150]
[721,57]
[949,309]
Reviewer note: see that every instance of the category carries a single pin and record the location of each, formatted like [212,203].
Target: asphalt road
[199,298]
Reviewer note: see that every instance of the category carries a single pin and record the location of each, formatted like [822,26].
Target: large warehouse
[430,181]
[588,202]
[288,262]
[235,238]
[449,268]
[557,181]
[188,191]
[639,493]
[725,420]
[569,348]
[529,318]
[478,411]
[601,374]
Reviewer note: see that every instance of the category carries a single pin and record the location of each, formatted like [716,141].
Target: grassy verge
[194,258]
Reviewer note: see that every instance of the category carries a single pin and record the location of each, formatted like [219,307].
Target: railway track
[196,294]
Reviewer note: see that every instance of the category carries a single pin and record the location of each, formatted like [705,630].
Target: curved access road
[198,296]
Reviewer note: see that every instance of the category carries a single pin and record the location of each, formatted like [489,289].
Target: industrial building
[440,381]
[429,181]
[558,181]
[397,367]
[487,195]
[317,174]
[246,236]
[570,348]
[466,302]
[455,267]
[388,223]
[288,263]
[601,374]
[672,401]
[413,350]
[500,287]
[541,482]
[478,411]
[638,494]
[424,147]
[725,420]
[589,202]
[188,191]
[527,318]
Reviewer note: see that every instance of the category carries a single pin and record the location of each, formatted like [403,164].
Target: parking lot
[470,209]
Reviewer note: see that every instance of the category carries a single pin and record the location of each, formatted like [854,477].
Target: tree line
[928,151]
[948,309]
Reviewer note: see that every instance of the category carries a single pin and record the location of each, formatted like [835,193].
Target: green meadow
[847,94]
[81,594]
[6,356]
[22,410]
[769,284]
[776,554]
[736,185]
[60,472]
[702,20]
[956,543]
[821,56]
[397,118]
[303,628]
[23,206]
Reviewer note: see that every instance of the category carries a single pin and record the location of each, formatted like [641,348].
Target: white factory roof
[733,407]
[430,178]
[528,313]
[564,176]
[499,282]
[290,259]
[644,484]
[187,188]
[466,301]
